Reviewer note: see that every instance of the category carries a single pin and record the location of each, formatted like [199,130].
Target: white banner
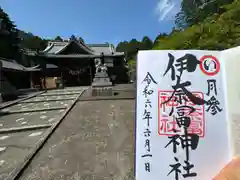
[181,130]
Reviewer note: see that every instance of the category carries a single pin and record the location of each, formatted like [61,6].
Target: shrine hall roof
[13,65]
[79,55]
[105,48]
[55,47]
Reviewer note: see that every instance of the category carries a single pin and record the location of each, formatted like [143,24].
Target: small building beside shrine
[13,77]
[73,61]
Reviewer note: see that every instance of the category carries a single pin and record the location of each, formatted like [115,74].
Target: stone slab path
[94,141]
[17,141]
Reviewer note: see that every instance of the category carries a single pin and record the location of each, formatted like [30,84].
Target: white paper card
[181,129]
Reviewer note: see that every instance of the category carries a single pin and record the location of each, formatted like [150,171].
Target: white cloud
[167,9]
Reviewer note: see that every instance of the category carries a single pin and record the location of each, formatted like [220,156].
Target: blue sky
[96,21]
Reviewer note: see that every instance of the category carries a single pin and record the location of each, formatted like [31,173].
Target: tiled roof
[11,64]
[54,47]
[81,55]
[99,48]
[57,47]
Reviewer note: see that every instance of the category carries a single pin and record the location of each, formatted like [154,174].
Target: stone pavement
[95,141]
[24,125]
[21,97]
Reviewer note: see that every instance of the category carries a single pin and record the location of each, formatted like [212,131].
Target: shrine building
[73,60]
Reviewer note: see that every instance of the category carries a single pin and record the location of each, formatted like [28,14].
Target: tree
[146,43]
[34,43]
[30,41]
[217,32]
[195,11]
[58,38]
[9,40]
[131,48]
[122,46]
[190,13]
[159,37]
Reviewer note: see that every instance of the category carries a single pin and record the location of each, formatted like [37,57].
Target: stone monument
[101,86]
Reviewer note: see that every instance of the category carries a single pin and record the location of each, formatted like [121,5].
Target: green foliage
[33,42]
[9,40]
[131,48]
[13,40]
[159,37]
[132,64]
[217,32]
[146,43]
[193,12]
[58,38]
